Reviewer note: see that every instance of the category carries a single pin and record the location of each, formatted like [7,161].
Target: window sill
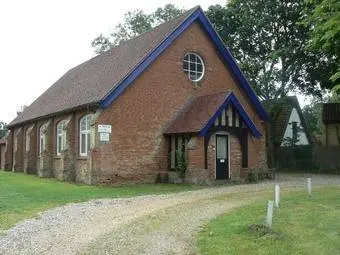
[83,157]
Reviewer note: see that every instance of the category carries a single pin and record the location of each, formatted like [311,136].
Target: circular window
[193,66]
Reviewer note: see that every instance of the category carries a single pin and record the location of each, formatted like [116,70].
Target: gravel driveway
[162,224]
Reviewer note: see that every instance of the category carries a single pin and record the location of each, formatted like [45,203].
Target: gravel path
[163,224]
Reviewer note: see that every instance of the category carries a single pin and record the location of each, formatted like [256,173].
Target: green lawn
[23,196]
[302,225]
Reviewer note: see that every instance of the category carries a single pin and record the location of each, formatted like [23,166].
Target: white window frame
[27,140]
[229,152]
[61,133]
[196,64]
[15,143]
[87,119]
[42,138]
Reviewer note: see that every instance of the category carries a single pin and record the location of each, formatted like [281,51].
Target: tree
[135,23]
[295,139]
[312,114]
[335,94]
[168,12]
[3,129]
[269,41]
[325,37]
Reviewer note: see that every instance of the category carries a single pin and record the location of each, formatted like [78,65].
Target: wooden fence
[319,159]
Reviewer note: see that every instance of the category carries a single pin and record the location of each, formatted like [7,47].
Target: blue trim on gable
[233,66]
[140,68]
[147,61]
[232,99]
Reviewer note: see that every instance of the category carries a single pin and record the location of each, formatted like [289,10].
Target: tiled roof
[280,110]
[200,114]
[331,113]
[89,82]
[197,114]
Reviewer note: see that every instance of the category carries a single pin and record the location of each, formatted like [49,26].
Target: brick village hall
[127,114]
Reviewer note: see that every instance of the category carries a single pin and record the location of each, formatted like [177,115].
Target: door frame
[228,145]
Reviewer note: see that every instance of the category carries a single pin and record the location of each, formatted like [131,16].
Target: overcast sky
[41,40]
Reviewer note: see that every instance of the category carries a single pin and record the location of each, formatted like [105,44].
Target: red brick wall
[9,151]
[64,164]
[138,149]
[30,156]
[195,155]
[196,171]
[45,159]
[2,155]
[69,166]
[139,116]
[18,151]
[83,165]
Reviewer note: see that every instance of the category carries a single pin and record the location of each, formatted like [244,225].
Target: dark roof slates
[331,113]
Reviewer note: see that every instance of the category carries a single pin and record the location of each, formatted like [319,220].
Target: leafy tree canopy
[313,116]
[269,40]
[281,46]
[3,129]
[335,94]
[325,37]
[135,23]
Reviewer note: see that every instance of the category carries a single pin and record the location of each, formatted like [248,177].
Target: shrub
[252,177]
[181,166]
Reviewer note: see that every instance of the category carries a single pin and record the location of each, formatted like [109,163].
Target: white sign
[104,128]
[104,137]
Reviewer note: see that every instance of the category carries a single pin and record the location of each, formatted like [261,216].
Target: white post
[270,213]
[309,185]
[277,195]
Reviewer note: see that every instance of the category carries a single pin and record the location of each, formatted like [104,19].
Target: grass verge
[23,196]
[302,225]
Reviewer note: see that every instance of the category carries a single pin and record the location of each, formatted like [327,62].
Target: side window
[15,142]
[61,136]
[28,140]
[85,134]
[42,138]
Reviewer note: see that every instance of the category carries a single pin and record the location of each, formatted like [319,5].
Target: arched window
[85,134]
[27,140]
[42,138]
[61,136]
[15,142]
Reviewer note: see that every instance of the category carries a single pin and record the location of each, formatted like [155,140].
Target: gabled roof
[202,112]
[331,113]
[93,80]
[102,79]
[280,110]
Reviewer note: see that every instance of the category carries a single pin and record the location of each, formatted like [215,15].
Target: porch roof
[201,113]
